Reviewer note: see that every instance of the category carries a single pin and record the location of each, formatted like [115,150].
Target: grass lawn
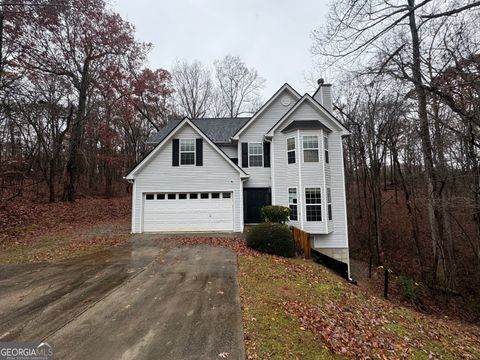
[296,309]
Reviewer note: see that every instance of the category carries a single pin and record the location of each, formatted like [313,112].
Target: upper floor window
[292,203]
[313,204]
[329,204]
[291,150]
[325,147]
[187,151]
[255,154]
[310,148]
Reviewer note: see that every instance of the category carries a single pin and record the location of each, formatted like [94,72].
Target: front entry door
[253,201]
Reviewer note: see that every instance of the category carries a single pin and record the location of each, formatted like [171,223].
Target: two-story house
[216,174]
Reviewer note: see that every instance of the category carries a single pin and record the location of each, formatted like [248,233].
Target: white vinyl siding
[230,150]
[327,234]
[338,235]
[325,148]
[159,176]
[261,176]
[285,176]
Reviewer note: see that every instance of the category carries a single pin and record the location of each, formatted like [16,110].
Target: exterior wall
[230,150]
[261,177]
[160,176]
[339,237]
[299,175]
[284,175]
[327,234]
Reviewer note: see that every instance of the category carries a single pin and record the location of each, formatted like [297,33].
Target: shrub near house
[272,236]
[275,214]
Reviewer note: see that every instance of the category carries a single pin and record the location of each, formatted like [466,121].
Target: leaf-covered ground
[55,232]
[296,309]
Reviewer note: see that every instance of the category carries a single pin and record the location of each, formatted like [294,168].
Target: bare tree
[239,86]
[193,88]
[77,43]
[377,29]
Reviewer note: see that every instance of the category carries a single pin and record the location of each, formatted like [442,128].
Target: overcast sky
[271,35]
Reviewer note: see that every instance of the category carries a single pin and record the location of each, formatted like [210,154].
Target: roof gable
[285,87]
[185,122]
[308,99]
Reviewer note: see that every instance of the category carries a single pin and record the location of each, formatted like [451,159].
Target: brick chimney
[324,94]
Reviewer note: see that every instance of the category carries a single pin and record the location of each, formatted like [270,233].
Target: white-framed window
[293,203]
[255,154]
[325,148]
[187,151]
[310,148]
[291,150]
[329,204]
[313,204]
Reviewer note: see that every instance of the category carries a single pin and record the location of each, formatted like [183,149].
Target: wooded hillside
[409,75]
[77,101]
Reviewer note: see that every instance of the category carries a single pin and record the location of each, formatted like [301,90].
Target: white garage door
[212,211]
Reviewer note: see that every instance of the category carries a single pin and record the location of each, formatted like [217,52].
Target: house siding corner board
[216,175]
[260,176]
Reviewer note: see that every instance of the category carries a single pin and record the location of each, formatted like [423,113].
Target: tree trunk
[412,215]
[71,169]
[434,200]
[51,180]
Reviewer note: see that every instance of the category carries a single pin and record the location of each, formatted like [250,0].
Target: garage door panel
[188,214]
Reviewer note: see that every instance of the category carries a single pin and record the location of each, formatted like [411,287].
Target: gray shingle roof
[306,125]
[219,130]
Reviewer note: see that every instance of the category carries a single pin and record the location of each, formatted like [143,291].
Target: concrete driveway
[149,300]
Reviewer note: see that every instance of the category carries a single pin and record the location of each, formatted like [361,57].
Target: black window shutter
[244,155]
[199,150]
[266,154]
[175,151]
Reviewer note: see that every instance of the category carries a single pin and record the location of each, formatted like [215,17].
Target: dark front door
[253,201]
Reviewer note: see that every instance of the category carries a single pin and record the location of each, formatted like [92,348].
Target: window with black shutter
[266,154]
[175,151]
[245,155]
[199,152]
